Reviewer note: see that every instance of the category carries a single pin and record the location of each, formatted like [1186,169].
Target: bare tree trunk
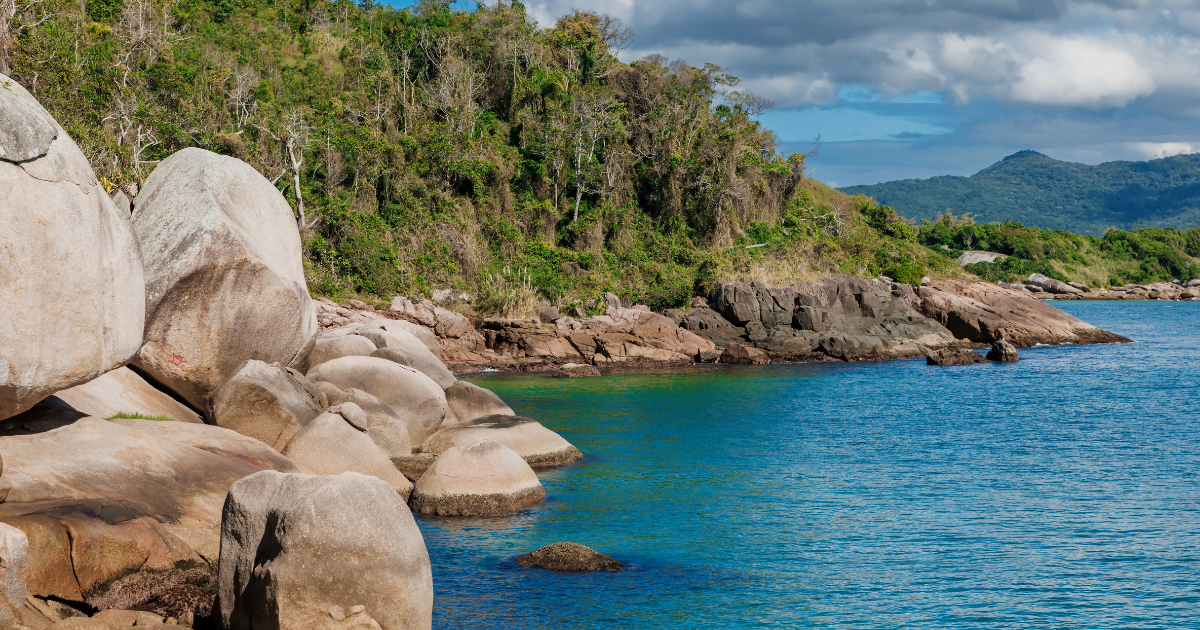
[291,147]
[8,8]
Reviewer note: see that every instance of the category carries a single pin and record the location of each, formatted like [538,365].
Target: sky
[901,89]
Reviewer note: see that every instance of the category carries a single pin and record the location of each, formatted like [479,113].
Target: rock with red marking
[224,276]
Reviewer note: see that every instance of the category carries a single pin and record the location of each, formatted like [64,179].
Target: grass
[140,416]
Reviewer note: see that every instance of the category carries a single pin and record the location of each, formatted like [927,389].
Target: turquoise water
[1058,492]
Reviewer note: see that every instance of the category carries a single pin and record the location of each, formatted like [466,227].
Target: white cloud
[1081,71]
[1152,150]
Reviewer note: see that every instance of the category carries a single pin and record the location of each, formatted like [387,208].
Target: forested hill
[1040,191]
[430,147]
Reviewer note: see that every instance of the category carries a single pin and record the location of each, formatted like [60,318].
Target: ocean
[1061,491]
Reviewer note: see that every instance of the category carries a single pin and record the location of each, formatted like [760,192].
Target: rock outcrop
[1051,285]
[262,401]
[469,401]
[739,354]
[122,391]
[415,397]
[125,513]
[954,356]
[331,444]
[480,479]
[984,313]
[71,265]
[301,552]
[224,279]
[840,317]
[1002,352]
[536,444]
[569,556]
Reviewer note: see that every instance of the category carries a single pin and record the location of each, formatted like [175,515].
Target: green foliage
[138,416]
[1037,190]
[1120,257]
[434,147]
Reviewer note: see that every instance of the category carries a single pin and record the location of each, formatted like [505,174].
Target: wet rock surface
[569,556]
[1002,352]
[954,356]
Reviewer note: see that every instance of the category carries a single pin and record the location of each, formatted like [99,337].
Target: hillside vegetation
[1119,257]
[474,150]
[1036,190]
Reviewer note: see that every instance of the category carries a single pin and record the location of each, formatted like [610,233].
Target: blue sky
[915,88]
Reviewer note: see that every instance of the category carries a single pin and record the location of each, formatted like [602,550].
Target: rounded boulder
[536,444]
[224,275]
[480,479]
[415,397]
[71,272]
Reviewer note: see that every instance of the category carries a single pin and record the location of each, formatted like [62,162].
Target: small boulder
[300,551]
[953,356]
[480,479]
[739,354]
[469,401]
[1003,352]
[412,350]
[549,314]
[415,397]
[576,370]
[332,445]
[262,401]
[569,556]
[538,445]
[224,273]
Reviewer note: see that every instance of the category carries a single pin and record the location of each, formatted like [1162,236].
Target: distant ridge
[1040,191]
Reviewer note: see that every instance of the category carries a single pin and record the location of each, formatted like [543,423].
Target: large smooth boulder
[262,401]
[122,391]
[469,401]
[224,276]
[300,551]
[411,352]
[1052,285]
[569,556]
[70,268]
[332,445]
[480,479]
[536,444]
[125,513]
[415,397]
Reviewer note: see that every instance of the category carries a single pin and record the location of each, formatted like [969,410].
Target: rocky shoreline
[187,438]
[1044,288]
[836,319]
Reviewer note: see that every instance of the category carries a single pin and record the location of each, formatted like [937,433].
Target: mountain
[1040,191]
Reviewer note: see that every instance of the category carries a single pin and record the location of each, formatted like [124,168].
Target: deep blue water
[1057,492]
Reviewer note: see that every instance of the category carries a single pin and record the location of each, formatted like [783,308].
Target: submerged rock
[302,551]
[953,356]
[71,278]
[224,275]
[1002,352]
[569,556]
[576,370]
[480,479]
[536,444]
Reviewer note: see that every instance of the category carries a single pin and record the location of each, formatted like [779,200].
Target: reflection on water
[1058,491]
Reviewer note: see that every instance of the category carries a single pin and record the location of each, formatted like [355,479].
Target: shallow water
[1057,492]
